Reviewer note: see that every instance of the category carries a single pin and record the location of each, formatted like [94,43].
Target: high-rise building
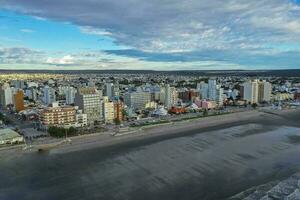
[203,89]
[264,91]
[49,95]
[70,95]
[220,95]
[108,110]
[212,89]
[171,96]
[257,91]
[19,100]
[137,100]
[251,91]
[6,97]
[89,101]
[109,90]
[118,109]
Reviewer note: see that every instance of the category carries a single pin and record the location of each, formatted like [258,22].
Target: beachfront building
[118,111]
[264,91]
[89,101]
[108,110]
[250,89]
[55,115]
[171,96]
[81,119]
[257,91]
[137,100]
[9,136]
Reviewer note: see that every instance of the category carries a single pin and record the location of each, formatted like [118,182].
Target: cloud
[180,32]
[94,31]
[27,31]
[20,55]
[65,60]
[174,26]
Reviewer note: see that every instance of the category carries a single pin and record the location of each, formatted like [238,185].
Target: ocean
[248,160]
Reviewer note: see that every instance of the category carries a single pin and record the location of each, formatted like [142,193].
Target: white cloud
[94,31]
[65,60]
[27,30]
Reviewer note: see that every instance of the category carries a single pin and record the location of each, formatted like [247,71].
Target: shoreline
[146,135]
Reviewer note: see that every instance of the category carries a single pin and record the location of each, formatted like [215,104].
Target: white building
[89,101]
[49,95]
[203,90]
[212,89]
[251,91]
[8,136]
[171,96]
[81,119]
[137,100]
[220,95]
[70,92]
[108,110]
[6,95]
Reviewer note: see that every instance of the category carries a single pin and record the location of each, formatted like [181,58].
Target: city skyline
[158,35]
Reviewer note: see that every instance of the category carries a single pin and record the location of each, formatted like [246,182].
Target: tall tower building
[203,90]
[212,89]
[89,101]
[171,96]
[49,95]
[6,97]
[251,91]
[19,100]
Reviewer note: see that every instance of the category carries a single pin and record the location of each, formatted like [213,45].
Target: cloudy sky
[150,34]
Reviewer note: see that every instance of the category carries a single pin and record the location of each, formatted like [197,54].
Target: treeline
[61,132]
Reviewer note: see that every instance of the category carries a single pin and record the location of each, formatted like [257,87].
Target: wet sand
[213,162]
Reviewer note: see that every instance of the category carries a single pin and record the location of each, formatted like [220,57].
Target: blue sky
[157,34]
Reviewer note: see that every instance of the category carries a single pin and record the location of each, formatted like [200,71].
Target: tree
[254,105]
[117,121]
[205,113]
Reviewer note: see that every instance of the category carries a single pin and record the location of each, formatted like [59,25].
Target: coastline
[146,135]
[165,131]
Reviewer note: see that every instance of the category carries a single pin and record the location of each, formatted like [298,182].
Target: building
[9,136]
[203,89]
[251,91]
[171,96]
[108,110]
[118,109]
[89,101]
[19,101]
[220,95]
[212,89]
[58,116]
[70,92]
[264,91]
[137,100]
[6,97]
[49,95]
[81,119]
[257,91]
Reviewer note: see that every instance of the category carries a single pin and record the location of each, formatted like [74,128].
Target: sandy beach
[149,134]
[166,131]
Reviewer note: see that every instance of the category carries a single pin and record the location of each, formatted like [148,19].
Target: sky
[149,34]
